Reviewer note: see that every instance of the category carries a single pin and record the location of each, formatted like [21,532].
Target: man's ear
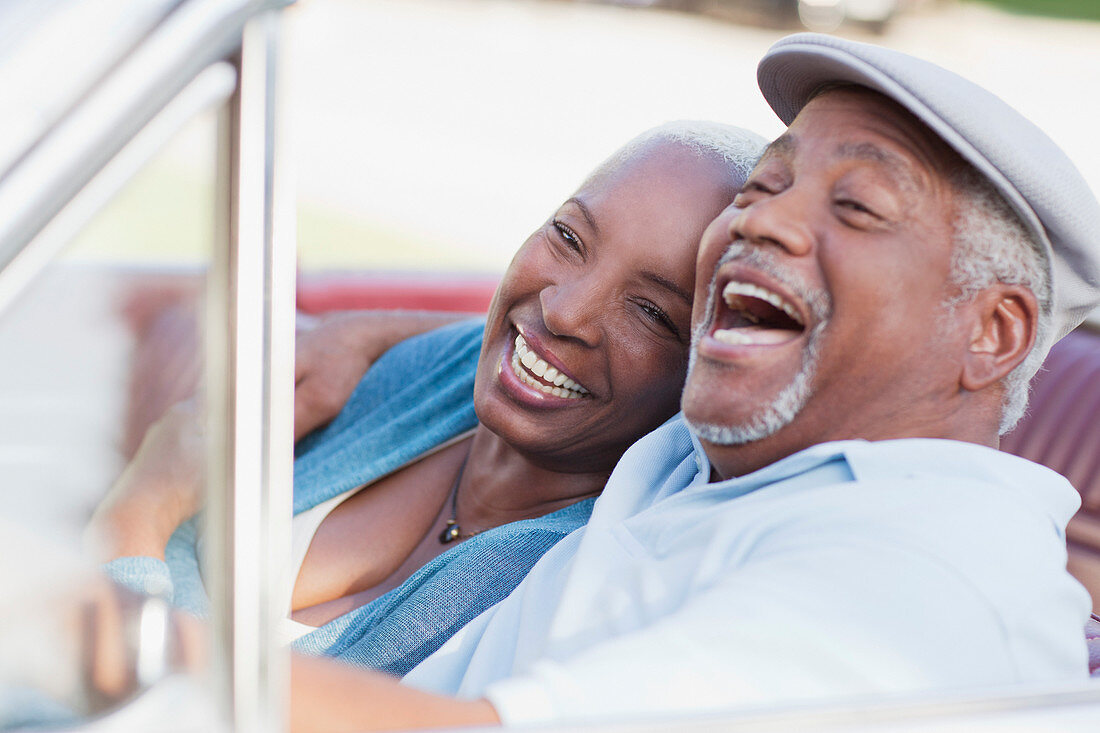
[1003,330]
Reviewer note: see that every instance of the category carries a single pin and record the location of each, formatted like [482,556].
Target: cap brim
[790,77]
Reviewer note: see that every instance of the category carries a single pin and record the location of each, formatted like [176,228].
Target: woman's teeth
[525,360]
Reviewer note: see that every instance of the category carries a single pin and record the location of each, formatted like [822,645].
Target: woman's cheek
[527,267]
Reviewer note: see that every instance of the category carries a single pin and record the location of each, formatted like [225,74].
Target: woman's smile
[535,372]
[538,378]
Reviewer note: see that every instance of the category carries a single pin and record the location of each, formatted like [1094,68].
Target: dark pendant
[450,532]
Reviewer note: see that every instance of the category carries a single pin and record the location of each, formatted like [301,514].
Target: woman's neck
[498,484]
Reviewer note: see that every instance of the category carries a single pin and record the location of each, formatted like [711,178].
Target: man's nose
[780,220]
[572,309]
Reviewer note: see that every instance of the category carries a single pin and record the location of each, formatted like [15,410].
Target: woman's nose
[780,220]
[572,310]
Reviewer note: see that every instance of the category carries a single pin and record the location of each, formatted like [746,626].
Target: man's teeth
[524,360]
[734,289]
[750,336]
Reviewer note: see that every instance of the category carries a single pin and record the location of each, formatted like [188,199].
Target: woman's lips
[535,372]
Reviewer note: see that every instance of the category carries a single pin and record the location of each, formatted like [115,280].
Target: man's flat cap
[1032,173]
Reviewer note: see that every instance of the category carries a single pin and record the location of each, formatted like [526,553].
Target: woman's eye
[658,316]
[568,236]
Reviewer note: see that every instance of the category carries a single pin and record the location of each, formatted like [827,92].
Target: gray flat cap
[1027,167]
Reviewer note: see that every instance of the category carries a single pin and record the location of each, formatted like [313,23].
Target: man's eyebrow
[899,167]
[663,282]
[783,145]
[584,213]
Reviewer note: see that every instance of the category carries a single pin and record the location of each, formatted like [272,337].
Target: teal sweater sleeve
[417,395]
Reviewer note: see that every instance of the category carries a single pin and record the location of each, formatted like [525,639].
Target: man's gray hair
[993,245]
[738,147]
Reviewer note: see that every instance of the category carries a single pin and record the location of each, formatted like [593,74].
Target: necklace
[452,531]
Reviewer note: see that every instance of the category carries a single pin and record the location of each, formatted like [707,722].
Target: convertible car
[102,332]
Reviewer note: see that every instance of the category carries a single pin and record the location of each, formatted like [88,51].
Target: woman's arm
[159,489]
[334,351]
[328,697]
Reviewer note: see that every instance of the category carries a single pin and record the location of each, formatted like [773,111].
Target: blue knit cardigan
[417,396]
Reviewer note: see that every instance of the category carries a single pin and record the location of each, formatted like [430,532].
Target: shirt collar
[864,460]
[803,462]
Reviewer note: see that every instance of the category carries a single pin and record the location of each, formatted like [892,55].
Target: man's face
[820,296]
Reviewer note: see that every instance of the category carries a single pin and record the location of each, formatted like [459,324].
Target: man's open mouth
[752,315]
[535,372]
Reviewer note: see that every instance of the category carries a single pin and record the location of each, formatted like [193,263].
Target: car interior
[99,352]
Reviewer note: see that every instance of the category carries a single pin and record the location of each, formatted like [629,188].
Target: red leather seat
[322,292]
[1062,431]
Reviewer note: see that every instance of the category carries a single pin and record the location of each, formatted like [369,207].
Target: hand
[157,491]
[329,696]
[331,355]
[72,637]
[336,349]
[130,642]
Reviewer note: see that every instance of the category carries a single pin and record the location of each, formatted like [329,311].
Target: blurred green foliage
[1081,9]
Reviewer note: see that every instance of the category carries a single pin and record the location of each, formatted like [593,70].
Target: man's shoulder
[942,478]
[958,472]
[960,502]
[964,506]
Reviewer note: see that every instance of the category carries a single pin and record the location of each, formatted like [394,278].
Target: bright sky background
[440,133]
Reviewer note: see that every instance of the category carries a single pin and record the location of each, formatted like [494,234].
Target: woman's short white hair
[993,245]
[738,147]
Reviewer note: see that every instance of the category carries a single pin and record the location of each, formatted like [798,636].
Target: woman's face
[587,338]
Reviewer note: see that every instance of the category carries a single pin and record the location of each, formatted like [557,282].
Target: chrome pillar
[250,399]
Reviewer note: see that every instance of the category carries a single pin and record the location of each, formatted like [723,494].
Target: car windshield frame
[143,76]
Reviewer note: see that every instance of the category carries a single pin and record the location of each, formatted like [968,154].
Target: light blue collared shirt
[849,568]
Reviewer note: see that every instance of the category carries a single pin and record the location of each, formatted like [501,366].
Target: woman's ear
[1003,331]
